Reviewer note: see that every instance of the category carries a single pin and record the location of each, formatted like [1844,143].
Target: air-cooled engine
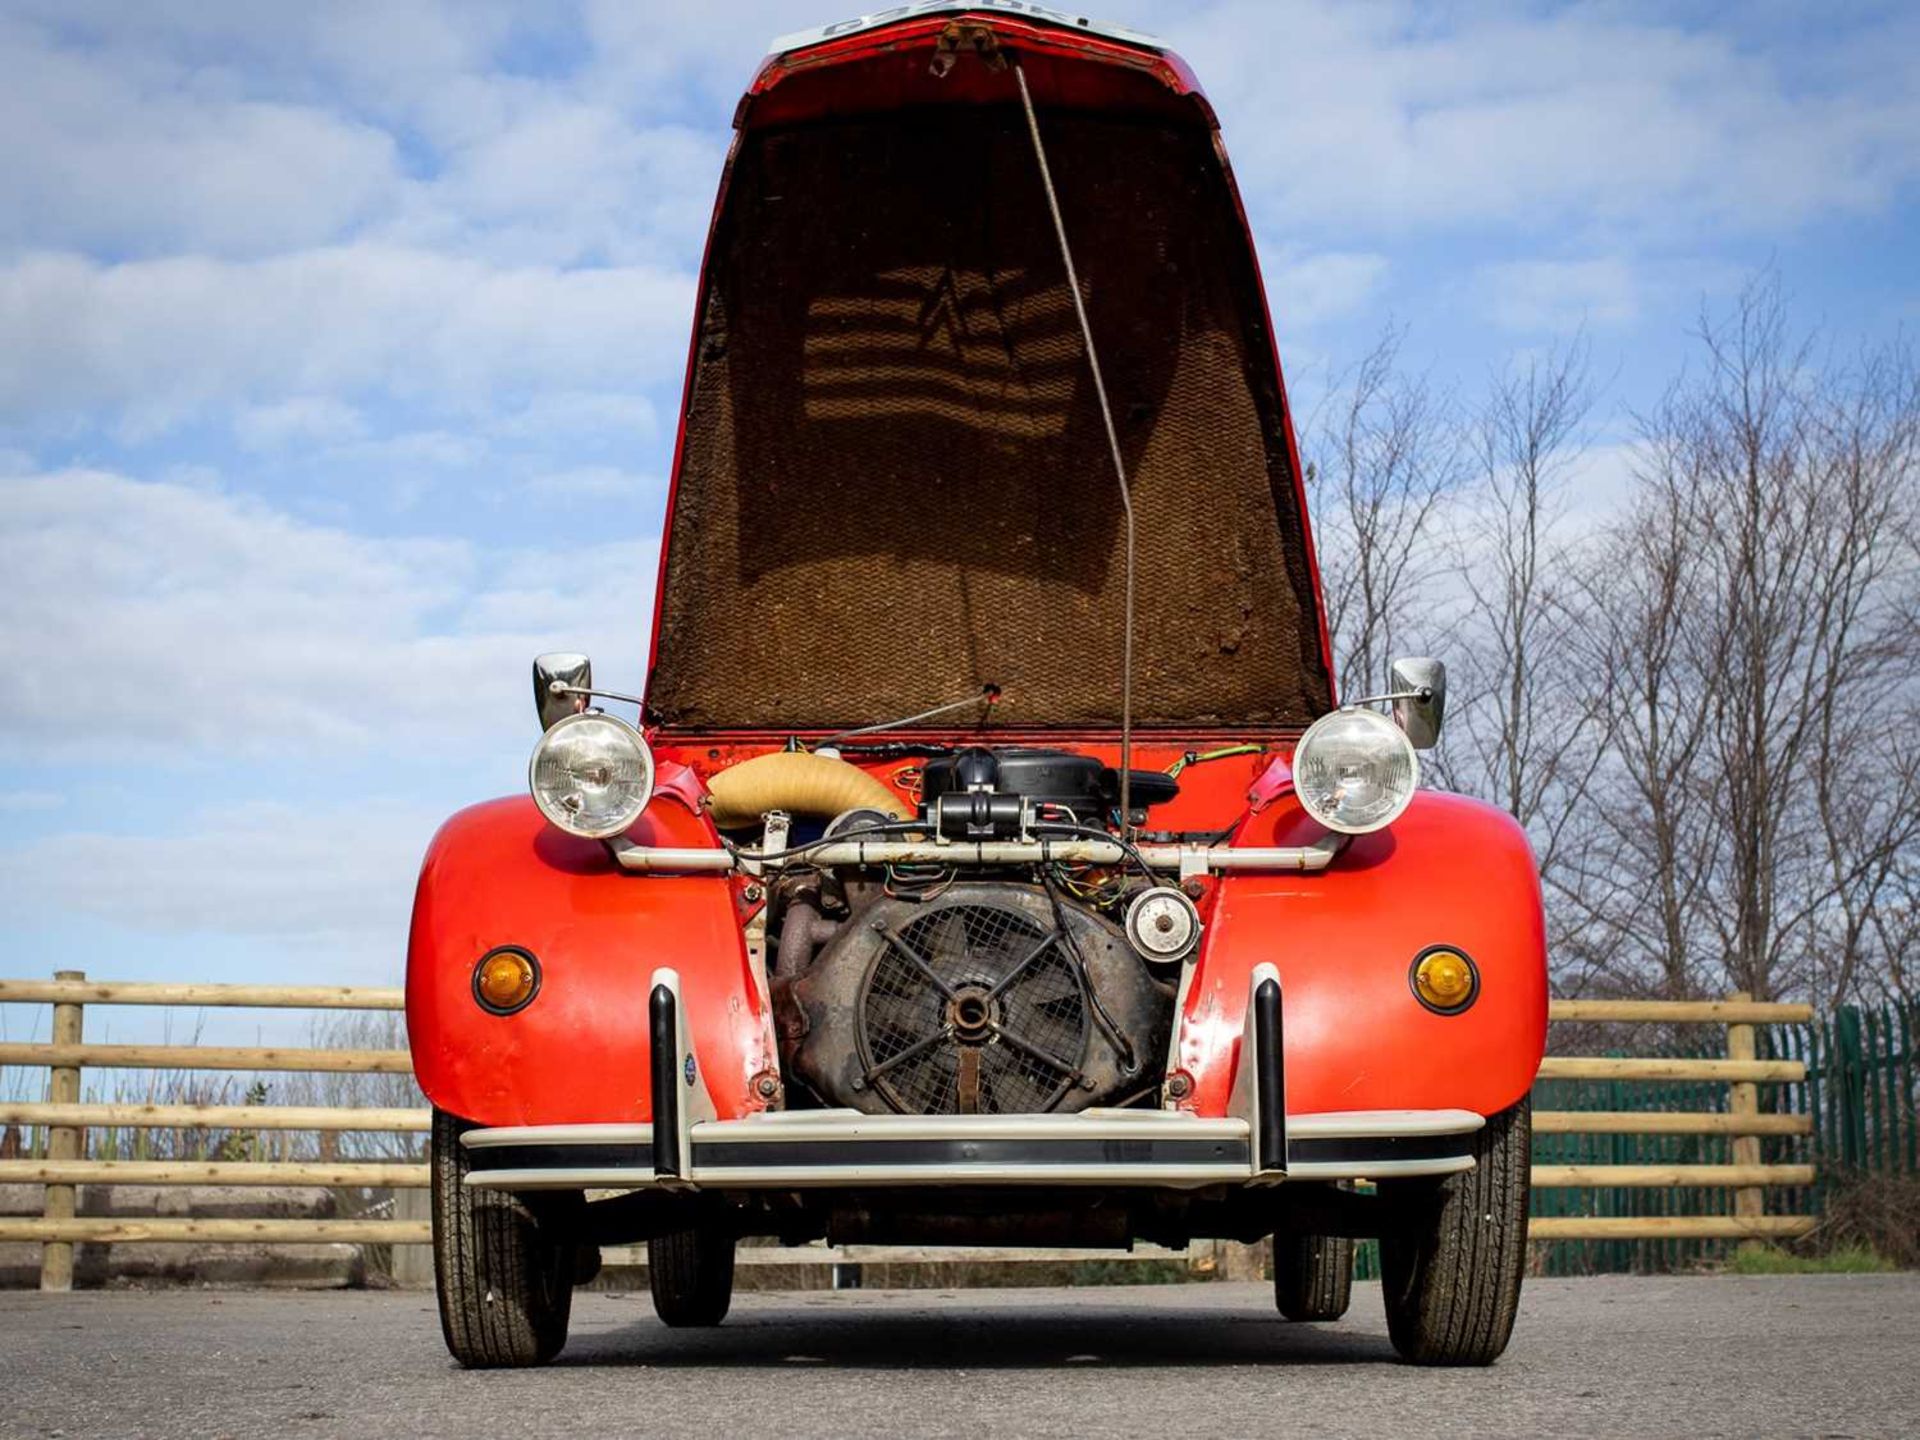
[1008,992]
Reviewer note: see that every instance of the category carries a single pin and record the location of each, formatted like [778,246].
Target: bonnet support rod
[1113,444]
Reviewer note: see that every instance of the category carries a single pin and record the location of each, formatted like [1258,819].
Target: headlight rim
[1386,727]
[564,825]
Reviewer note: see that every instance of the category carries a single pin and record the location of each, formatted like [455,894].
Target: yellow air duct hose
[816,786]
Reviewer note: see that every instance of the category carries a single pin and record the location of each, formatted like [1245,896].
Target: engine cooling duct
[987,1000]
[816,786]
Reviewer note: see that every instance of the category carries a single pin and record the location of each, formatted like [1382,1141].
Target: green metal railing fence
[1861,1085]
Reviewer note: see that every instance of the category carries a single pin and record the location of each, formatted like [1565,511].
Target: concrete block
[209,1202]
[270,1267]
[19,1265]
[413,1264]
[22,1199]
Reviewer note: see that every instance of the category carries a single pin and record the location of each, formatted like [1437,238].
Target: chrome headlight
[1354,771]
[591,775]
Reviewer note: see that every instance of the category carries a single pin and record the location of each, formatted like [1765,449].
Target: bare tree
[1381,466]
[1528,731]
[1756,615]
[1627,900]
[1866,772]
[359,1030]
[1699,710]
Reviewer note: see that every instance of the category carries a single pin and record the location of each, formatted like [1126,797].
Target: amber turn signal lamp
[1444,980]
[506,979]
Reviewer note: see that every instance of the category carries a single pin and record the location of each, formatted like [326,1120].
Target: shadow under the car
[952,1333]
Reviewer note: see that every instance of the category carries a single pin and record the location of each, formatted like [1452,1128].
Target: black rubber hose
[1090,833]
[1107,1022]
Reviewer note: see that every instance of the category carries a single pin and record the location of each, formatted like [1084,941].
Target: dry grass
[336,1030]
[1874,1211]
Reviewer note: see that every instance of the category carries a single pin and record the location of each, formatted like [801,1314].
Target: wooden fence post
[63,1141]
[1749,1201]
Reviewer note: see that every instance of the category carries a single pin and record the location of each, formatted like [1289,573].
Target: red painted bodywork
[498,874]
[1450,871]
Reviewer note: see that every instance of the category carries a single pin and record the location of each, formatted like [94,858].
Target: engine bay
[1030,988]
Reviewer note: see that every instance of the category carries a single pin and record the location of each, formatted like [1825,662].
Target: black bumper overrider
[1256,1142]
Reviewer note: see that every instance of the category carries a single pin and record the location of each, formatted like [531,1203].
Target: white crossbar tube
[1185,859]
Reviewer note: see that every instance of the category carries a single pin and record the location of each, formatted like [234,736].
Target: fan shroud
[978,1002]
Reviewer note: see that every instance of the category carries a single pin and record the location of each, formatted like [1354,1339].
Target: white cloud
[410,451]
[368,199]
[143,130]
[1385,117]
[258,870]
[1308,288]
[1600,482]
[147,156]
[563,412]
[159,341]
[657,56]
[219,624]
[302,420]
[1558,296]
[19,802]
[592,482]
[554,180]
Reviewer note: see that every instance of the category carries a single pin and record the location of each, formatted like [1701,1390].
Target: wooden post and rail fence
[66,1120]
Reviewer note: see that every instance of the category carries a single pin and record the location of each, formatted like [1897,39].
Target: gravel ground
[1816,1355]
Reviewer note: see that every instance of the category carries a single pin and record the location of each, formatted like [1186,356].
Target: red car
[991,862]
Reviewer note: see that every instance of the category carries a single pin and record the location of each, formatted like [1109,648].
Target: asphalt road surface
[1819,1355]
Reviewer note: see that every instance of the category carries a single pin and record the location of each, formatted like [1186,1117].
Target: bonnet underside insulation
[895,487]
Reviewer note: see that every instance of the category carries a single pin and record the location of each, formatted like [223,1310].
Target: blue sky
[340,345]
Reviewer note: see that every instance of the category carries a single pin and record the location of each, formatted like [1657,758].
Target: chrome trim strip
[1377,1169]
[558,1135]
[1172,1177]
[780,1127]
[1104,1124]
[856,1148]
[1360,1124]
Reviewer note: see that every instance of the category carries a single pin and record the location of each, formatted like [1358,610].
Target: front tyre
[691,1275]
[1312,1276]
[504,1283]
[1452,1266]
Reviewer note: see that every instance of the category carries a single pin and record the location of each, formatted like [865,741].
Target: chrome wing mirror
[1418,688]
[565,668]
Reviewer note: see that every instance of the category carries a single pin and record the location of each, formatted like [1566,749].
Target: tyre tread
[1453,1287]
[503,1293]
[1312,1276]
[690,1273]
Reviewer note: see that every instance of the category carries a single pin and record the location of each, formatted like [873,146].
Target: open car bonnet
[893,486]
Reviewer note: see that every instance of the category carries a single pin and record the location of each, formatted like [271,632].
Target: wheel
[1312,1276]
[505,1284]
[691,1275]
[1452,1267]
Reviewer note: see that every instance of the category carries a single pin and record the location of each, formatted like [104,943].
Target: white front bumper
[830,1148]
